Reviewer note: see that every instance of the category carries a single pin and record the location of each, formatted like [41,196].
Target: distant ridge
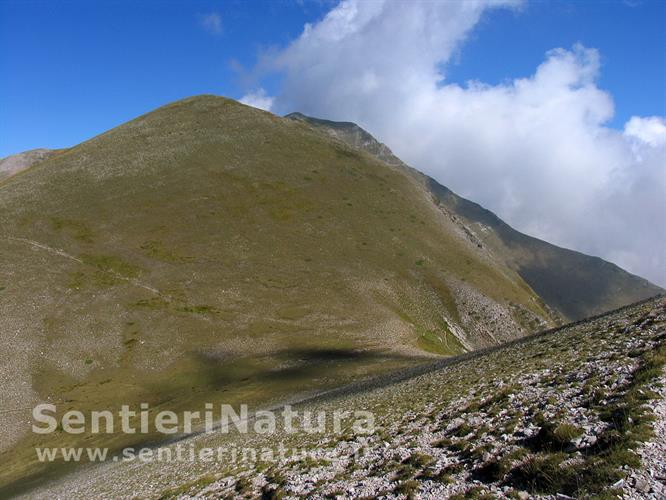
[14,164]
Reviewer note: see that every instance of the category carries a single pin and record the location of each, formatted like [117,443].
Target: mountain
[574,284]
[15,163]
[211,252]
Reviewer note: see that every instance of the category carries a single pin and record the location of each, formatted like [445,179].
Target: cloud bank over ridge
[536,150]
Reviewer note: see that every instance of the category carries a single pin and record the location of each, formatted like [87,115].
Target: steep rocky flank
[574,284]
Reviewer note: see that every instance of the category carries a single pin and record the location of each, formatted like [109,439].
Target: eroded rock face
[15,163]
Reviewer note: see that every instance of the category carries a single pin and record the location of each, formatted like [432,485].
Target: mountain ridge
[573,283]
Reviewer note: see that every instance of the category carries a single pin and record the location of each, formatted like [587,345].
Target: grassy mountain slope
[562,412]
[208,252]
[574,284]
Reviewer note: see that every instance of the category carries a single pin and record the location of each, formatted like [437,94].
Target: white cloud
[258,99]
[650,130]
[212,23]
[537,150]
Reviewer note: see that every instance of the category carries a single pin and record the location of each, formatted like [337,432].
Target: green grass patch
[158,251]
[441,342]
[111,264]
[76,229]
[201,309]
[554,437]
[409,488]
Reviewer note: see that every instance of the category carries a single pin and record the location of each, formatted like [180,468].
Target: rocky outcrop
[13,164]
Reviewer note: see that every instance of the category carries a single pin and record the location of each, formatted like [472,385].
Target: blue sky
[71,70]
[630,36]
